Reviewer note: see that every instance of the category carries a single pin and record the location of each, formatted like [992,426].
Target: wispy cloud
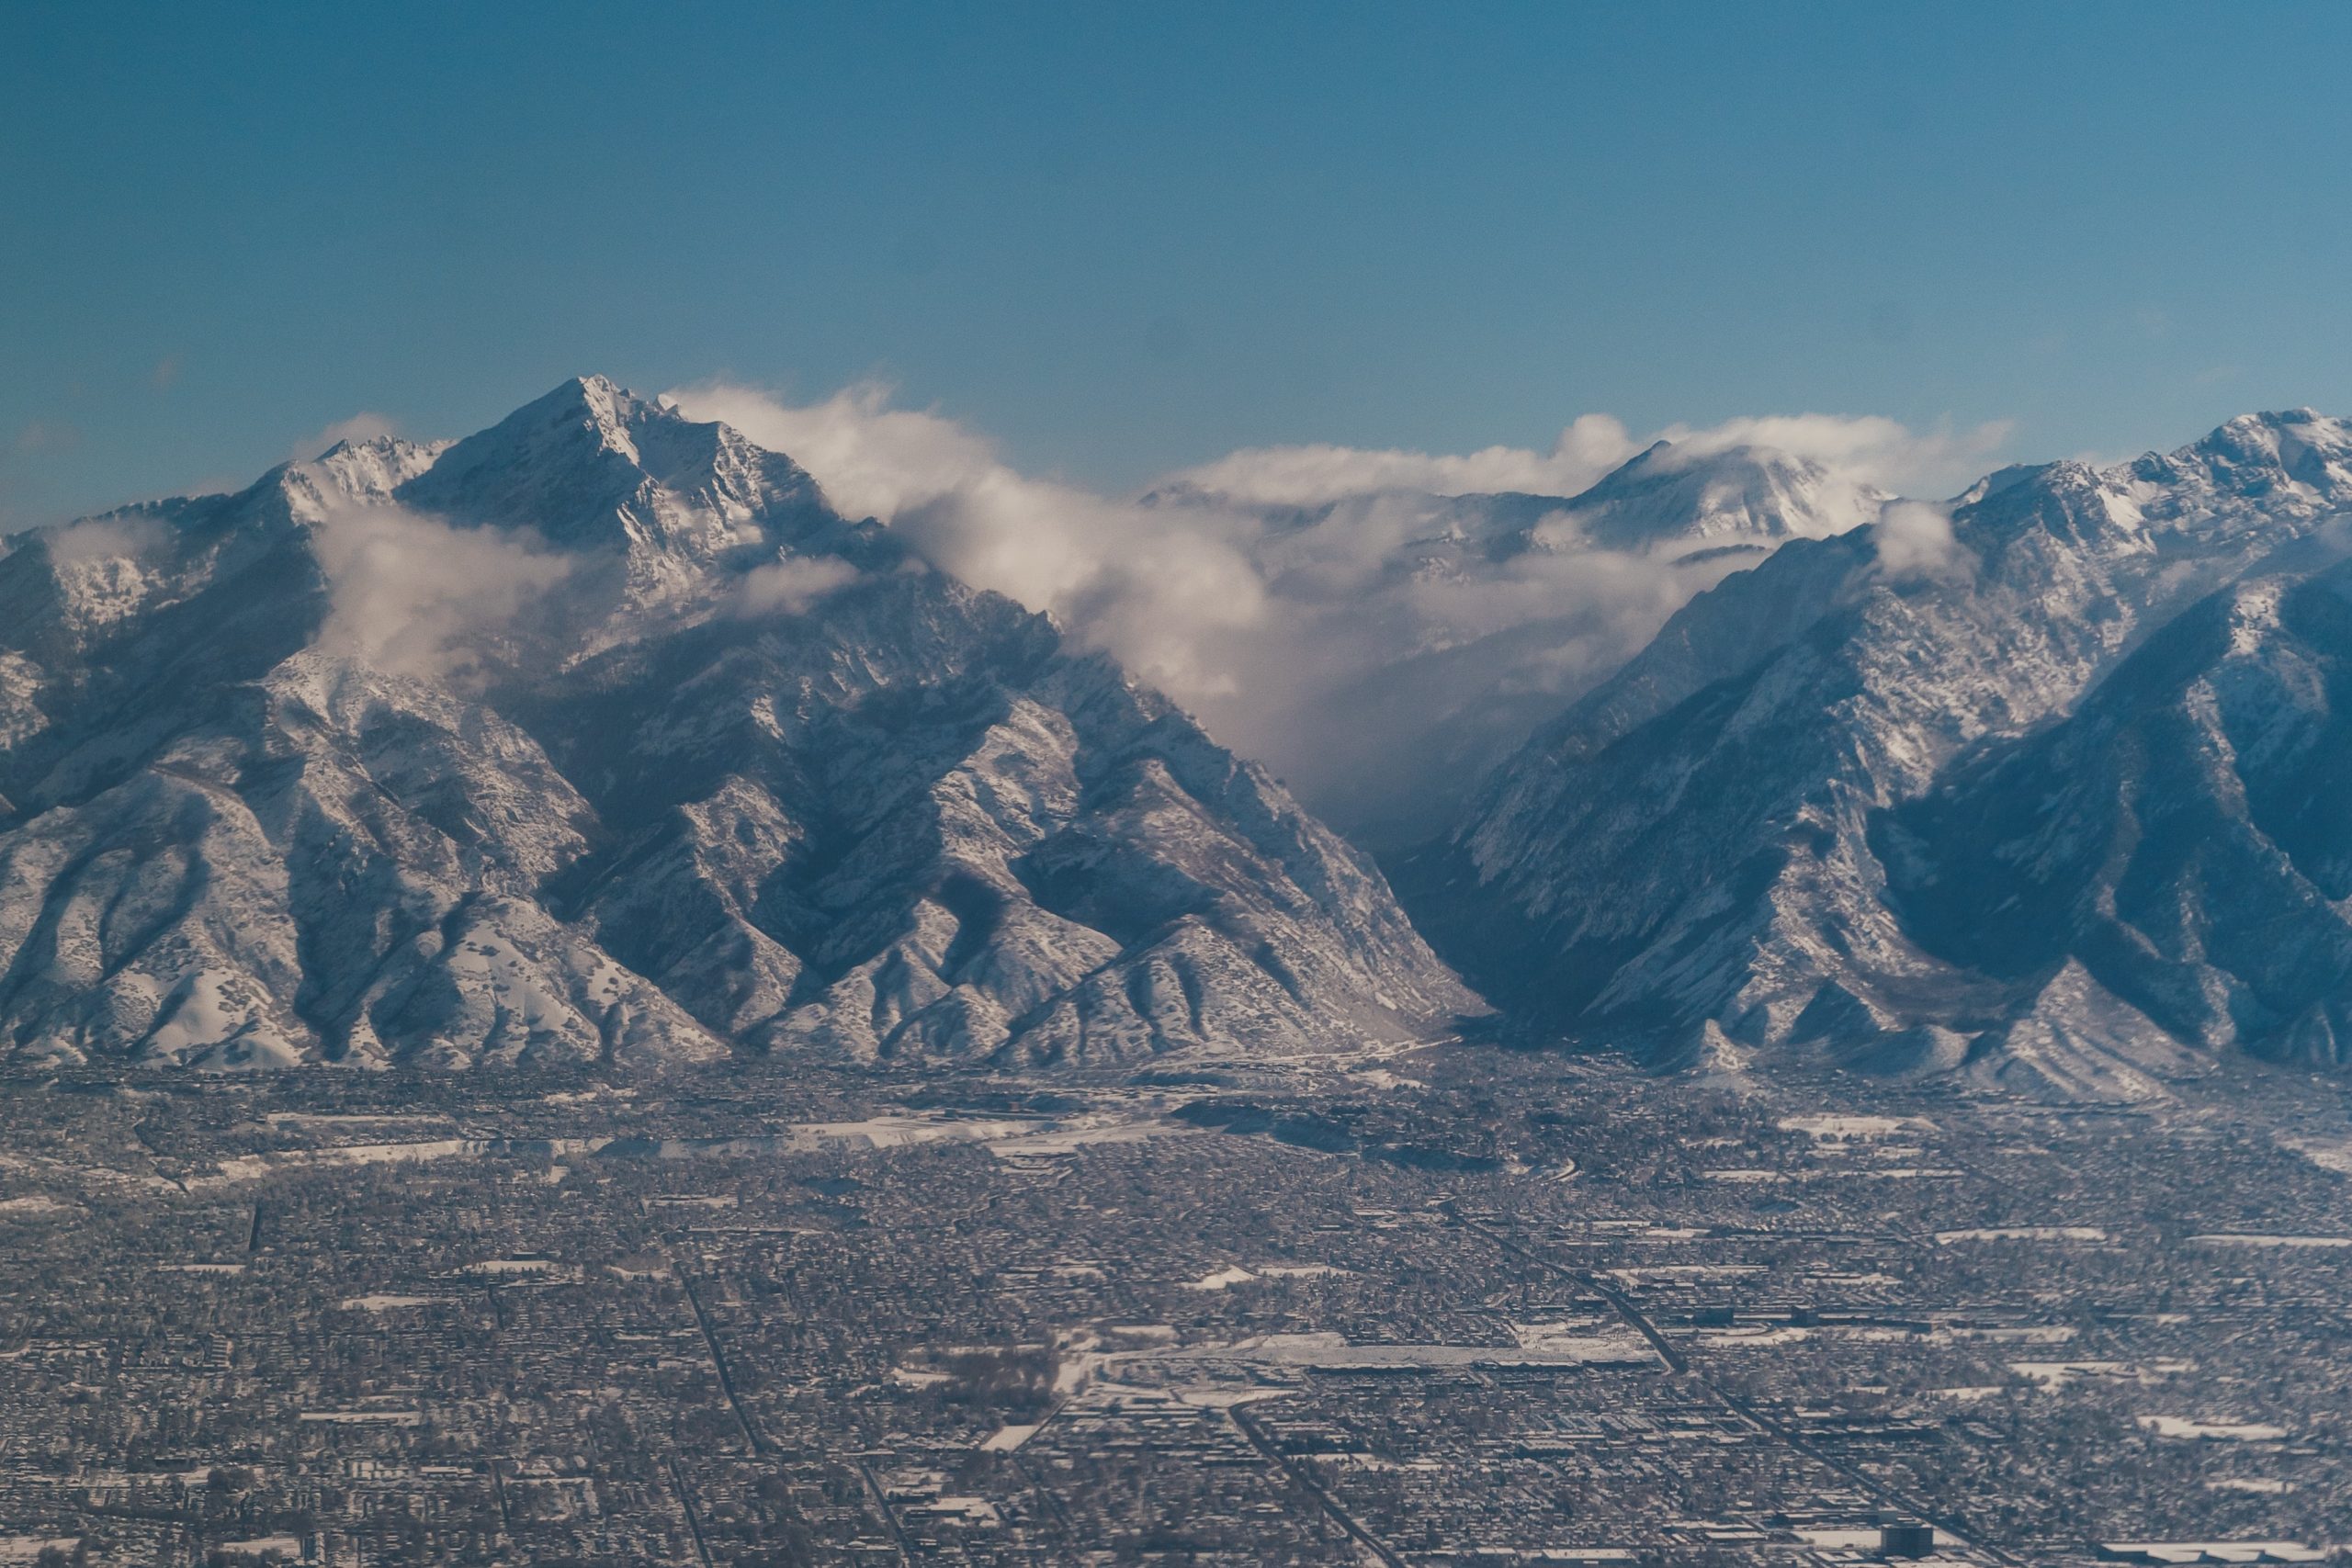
[789,587]
[1916,542]
[124,536]
[1868,448]
[415,596]
[1155,586]
[1305,601]
[1316,475]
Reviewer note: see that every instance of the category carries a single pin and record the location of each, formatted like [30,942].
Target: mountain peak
[2274,428]
[593,406]
[608,402]
[592,461]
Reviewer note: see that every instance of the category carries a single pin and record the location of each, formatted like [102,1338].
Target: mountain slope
[1692,846]
[2182,839]
[599,733]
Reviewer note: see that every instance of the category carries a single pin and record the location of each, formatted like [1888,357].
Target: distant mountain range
[601,734]
[2052,792]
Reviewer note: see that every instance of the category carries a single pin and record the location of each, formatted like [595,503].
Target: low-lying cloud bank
[1322,608]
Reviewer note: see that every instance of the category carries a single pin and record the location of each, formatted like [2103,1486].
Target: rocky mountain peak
[593,464]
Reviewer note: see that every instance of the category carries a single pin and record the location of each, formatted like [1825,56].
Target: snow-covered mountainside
[2177,850]
[1453,625]
[600,733]
[2047,789]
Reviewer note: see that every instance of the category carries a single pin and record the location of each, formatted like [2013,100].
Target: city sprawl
[1237,1315]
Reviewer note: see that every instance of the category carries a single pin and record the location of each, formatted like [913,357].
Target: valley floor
[1453,1306]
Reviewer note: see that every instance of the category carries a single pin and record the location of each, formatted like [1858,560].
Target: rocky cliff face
[599,733]
[1800,819]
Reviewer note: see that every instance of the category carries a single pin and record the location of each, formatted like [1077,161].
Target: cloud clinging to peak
[789,586]
[1319,606]
[1156,587]
[1315,475]
[874,460]
[1868,448]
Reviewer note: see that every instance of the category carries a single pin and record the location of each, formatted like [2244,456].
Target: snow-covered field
[2213,1431]
[386,1303]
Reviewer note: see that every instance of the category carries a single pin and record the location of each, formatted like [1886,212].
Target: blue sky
[1121,239]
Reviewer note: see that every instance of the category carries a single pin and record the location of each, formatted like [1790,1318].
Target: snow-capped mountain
[2043,788]
[1678,502]
[1450,627]
[600,733]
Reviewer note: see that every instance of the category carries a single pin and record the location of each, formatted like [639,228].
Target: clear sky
[1124,237]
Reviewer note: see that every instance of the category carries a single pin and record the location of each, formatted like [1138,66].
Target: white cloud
[1344,643]
[1867,448]
[874,460]
[1915,542]
[412,594]
[125,536]
[1316,475]
[791,585]
[1155,587]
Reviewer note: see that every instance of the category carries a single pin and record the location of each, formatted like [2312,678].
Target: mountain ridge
[667,704]
[1690,848]
[600,735]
